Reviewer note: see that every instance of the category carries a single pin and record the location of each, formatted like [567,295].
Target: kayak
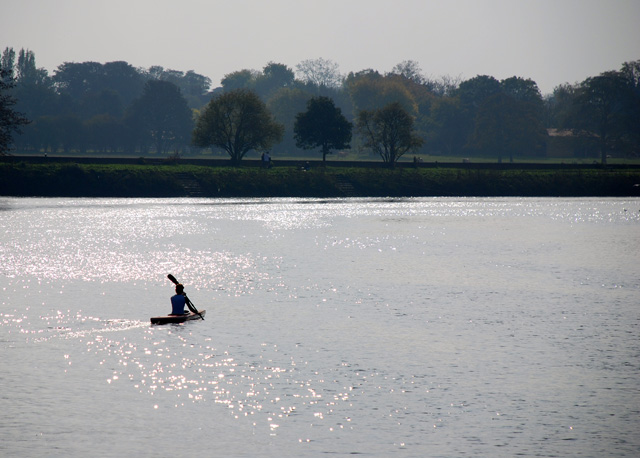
[177,318]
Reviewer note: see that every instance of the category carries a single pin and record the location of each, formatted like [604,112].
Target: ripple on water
[448,327]
[168,364]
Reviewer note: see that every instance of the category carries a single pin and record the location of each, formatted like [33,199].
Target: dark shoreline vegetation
[177,180]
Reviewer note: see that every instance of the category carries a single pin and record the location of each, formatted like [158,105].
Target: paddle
[189,303]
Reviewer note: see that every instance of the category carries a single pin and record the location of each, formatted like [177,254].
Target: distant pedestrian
[266,160]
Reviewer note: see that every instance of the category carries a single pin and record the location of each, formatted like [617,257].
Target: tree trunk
[603,146]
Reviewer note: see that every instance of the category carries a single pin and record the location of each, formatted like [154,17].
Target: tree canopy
[604,101]
[389,132]
[10,120]
[374,93]
[237,122]
[89,107]
[161,114]
[508,127]
[320,73]
[194,87]
[411,70]
[285,104]
[323,125]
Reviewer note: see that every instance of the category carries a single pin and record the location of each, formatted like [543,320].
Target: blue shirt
[177,304]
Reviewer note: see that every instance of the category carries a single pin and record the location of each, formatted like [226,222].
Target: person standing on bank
[266,160]
[178,301]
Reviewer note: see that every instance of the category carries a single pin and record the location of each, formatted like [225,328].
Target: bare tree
[410,69]
[319,72]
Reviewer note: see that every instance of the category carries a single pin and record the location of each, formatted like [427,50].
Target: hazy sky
[549,41]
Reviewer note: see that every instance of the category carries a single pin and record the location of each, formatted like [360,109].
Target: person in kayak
[178,301]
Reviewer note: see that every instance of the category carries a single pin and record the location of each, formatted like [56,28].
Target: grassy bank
[116,180]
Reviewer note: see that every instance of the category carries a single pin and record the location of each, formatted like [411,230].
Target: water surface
[420,327]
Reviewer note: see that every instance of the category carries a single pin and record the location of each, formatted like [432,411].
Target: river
[431,327]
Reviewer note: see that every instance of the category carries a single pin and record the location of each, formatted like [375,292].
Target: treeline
[114,107]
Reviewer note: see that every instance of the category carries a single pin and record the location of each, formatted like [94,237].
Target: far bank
[70,179]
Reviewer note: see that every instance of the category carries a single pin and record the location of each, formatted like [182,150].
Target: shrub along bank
[120,180]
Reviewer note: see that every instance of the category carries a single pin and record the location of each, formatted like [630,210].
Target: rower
[178,301]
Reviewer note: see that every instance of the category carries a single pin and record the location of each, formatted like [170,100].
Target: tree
[510,121]
[522,90]
[162,113]
[445,126]
[445,85]
[602,111]
[561,112]
[76,79]
[123,79]
[80,80]
[8,61]
[104,132]
[604,102]
[368,74]
[45,134]
[238,122]
[27,73]
[33,89]
[106,102]
[264,83]
[389,132]
[274,76]
[285,104]
[631,73]
[241,79]
[474,91]
[194,87]
[10,120]
[280,73]
[409,69]
[322,125]
[505,126]
[319,73]
[369,93]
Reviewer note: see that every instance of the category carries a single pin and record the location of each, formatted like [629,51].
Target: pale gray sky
[549,41]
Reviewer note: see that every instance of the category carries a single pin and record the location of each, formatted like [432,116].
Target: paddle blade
[173,279]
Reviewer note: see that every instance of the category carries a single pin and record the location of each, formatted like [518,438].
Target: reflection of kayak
[177,318]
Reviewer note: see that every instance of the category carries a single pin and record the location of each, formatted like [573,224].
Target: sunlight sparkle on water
[448,326]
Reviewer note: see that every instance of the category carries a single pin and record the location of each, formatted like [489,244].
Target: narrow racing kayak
[177,318]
